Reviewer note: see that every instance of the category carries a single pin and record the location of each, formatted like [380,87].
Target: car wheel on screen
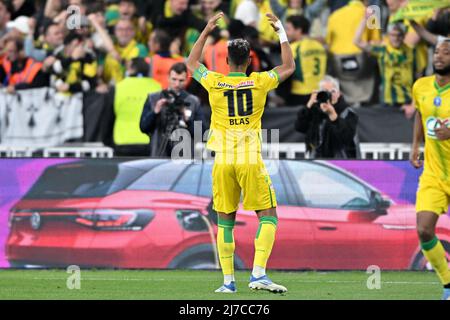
[421,263]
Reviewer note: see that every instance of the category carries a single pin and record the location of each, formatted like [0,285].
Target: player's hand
[213,22]
[273,20]
[414,158]
[442,132]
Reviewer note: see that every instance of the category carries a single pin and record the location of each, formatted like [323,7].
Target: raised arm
[357,41]
[193,61]
[107,41]
[424,33]
[287,67]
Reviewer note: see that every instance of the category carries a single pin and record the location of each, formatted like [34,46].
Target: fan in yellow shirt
[310,61]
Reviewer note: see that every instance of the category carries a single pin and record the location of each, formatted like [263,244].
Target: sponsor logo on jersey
[432,124]
[243,84]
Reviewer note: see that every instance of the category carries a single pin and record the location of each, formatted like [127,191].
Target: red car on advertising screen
[157,214]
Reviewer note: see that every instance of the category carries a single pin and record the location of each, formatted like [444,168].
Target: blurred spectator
[19,72]
[161,59]
[412,39]
[177,19]
[5,16]
[397,63]
[427,36]
[53,38]
[127,10]
[124,50]
[23,8]
[248,12]
[75,68]
[253,13]
[169,110]
[209,8]
[129,98]
[310,61]
[329,124]
[439,23]
[297,7]
[348,63]
[337,4]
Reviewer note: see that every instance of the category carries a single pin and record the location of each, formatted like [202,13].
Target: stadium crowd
[92,46]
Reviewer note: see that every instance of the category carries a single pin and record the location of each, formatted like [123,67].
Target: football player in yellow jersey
[237,104]
[431,96]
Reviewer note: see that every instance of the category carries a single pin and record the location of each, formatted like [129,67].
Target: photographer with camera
[169,110]
[328,123]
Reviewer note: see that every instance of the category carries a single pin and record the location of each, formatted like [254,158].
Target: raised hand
[213,22]
[273,20]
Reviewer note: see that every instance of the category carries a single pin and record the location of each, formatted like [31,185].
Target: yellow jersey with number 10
[237,105]
[433,103]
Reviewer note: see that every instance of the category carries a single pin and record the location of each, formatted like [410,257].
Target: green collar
[237,74]
[441,89]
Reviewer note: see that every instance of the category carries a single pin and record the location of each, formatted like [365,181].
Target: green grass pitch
[200,285]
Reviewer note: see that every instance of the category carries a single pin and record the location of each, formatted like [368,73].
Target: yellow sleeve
[205,77]
[415,95]
[269,79]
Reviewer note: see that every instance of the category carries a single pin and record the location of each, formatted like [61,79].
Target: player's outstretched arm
[287,67]
[193,61]
[417,140]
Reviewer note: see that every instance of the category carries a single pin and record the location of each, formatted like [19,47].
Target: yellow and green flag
[416,9]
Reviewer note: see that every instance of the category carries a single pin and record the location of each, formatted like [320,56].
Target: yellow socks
[435,254]
[265,237]
[226,246]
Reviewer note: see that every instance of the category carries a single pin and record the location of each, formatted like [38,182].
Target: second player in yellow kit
[433,103]
[431,97]
[237,105]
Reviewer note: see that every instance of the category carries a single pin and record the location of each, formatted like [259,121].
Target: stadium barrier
[369,151]
[297,151]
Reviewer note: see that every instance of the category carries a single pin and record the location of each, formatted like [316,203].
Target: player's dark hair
[299,22]
[179,68]
[163,39]
[238,51]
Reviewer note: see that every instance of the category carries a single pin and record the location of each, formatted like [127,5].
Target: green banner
[418,9]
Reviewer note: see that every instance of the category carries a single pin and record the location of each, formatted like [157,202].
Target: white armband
[281,32]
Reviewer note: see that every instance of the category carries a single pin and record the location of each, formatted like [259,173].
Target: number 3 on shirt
[240,102]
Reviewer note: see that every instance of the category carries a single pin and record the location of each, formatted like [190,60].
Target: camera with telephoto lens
[323,97]
[174,102]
